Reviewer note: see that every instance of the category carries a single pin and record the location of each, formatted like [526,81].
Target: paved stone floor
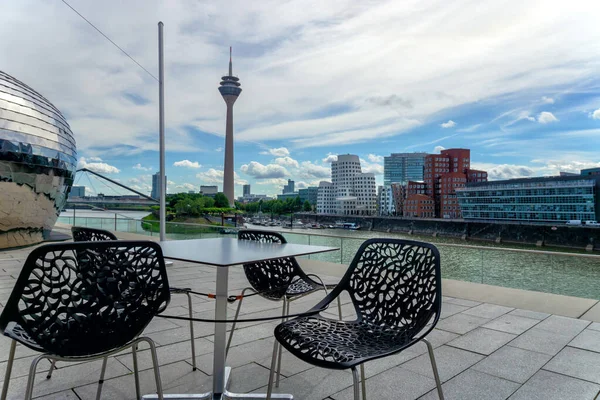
[484,351]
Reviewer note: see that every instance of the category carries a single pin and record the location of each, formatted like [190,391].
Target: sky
[517,82]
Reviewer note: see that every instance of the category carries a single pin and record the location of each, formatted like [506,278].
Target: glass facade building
[403,167]
[548,199]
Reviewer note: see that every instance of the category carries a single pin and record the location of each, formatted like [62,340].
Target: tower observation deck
[230,90]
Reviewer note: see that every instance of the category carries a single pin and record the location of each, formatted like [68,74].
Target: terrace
[491,343]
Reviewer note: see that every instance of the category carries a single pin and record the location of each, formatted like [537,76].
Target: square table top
[225,252]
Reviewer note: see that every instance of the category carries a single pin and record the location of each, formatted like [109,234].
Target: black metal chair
[86,301]
[278,280]
[396,289]
[92,234]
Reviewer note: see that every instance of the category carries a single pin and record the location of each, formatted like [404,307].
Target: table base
[224,396]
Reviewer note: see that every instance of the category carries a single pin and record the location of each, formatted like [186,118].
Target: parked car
[574,222]
[592,223]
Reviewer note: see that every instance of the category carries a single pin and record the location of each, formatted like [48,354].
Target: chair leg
[363,381]
[237,314]
[9,364]
[136,373]
[192,339]
[356,383]
[159,389]
[31,377]
[272,370]
[101,381]
[435,370]
[339,303]
[51,370]
[284,312]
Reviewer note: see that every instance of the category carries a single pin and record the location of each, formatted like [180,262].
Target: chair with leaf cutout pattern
[395,287]
[84,301]
[281,279]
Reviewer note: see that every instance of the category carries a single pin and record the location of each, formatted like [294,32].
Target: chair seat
[301,287]
[16,332]
[336,344]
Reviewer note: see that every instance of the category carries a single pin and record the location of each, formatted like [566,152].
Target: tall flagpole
[161,123]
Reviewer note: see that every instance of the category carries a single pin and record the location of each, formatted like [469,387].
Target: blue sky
[516,82]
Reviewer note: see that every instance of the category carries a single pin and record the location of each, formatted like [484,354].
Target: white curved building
[38,158]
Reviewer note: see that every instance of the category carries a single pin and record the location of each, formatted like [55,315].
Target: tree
[221,201]
[307,207]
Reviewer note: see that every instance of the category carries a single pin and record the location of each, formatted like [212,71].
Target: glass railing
[571,274]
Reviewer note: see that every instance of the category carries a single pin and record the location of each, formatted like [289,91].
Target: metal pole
[161,123]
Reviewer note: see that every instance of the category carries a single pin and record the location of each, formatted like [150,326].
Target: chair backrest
[271,277]
[76,299]
[395,283]
[84,234]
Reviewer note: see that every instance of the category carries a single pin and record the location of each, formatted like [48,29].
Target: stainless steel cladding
[37,163]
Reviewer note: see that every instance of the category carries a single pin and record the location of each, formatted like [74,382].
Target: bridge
[138,199]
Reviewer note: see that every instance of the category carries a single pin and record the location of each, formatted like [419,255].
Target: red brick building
[419,206]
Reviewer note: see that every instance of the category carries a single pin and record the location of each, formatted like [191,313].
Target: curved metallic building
[37,163]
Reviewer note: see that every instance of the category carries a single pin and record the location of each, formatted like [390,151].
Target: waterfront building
[38,158]
[355,192]
[289,188]
[590,171]
[419,206]
[403,167]
[289,195]
[230,90]
[544,199]
[309,194]
[246,190]
[251,198]
[155,194]
[77,191]
[385,200]
[209,191]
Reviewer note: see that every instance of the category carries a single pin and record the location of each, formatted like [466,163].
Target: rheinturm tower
[230,90]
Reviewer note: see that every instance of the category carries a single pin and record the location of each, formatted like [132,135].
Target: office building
[289,188]
[590,171]
[309,194]
[403,167]
[209,191]
[155,194]
[230,90]
[354,192]
[285,196]
[77,191]
[544,199]
[246,190]
[385,200]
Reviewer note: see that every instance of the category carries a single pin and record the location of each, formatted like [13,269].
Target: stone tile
[463,302]
[595,326]
[474,385]
[511,363]
[511,324]
[450,362]
[248,378]
[529,314]
[314,383]
[588,339]
[461,323]
[396,383]
[449,309]
[251,352]
[577,363]
[545,385]
[21,367]
[563,325]
[541,341]
[482,340]
[488,311]
[436,337]
[68,394]
[66,378]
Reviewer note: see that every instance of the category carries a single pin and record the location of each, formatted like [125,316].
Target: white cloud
[186,187]
[375,158]
[278,152]
[596,114]
[279,182]
[373,168]
[219,149]
[287,162]
[330,158]
[505,171]
[141,168]
[449,124]
[546,117]
[187,164]
[99,167]
[95,159]
[260,171]
[547,100]
[438,149]
[309,170]
[214,176]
